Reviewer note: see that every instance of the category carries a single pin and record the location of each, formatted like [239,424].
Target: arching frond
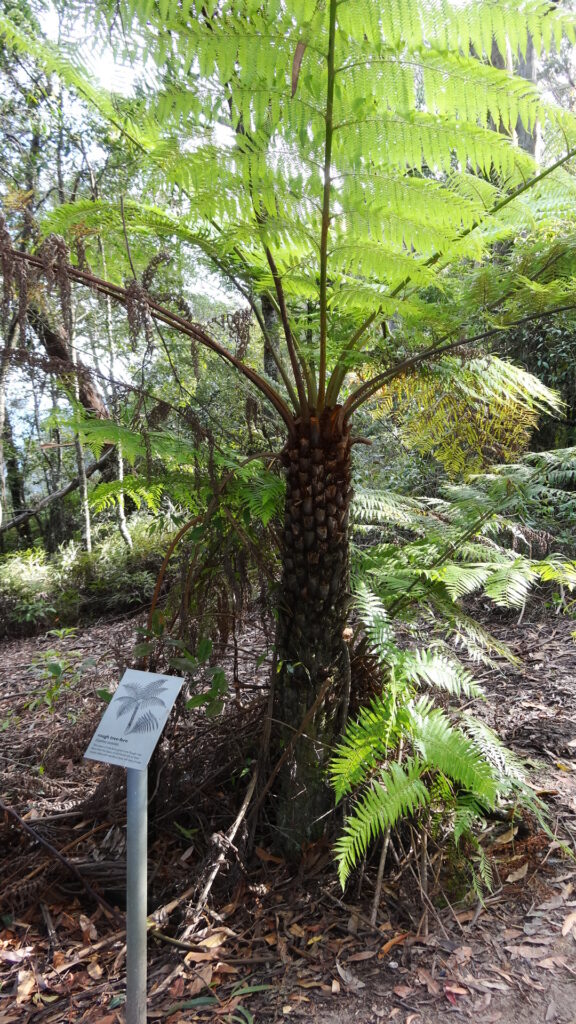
[370,739]
[226,118]
[443,671]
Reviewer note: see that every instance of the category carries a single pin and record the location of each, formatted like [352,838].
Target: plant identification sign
[133,721]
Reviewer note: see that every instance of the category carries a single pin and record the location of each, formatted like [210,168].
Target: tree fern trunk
[312,610]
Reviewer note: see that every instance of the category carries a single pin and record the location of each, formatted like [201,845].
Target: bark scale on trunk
[313,605]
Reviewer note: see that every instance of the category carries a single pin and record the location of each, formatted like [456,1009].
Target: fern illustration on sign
[138,703]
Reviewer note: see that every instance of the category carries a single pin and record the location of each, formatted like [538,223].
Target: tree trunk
[55,341]
[14,479]
[311,688]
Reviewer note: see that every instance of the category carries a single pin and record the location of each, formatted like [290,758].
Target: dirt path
[62,958]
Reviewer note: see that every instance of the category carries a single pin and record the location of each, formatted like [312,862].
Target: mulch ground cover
[237,941]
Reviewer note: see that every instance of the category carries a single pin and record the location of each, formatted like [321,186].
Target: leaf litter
[270,945]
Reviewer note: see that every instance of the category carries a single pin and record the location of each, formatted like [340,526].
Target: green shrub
[38,590]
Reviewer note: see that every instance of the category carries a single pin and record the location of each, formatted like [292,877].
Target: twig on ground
[221,859]
[365,920]
[36,871]
[423,930]
[52,933]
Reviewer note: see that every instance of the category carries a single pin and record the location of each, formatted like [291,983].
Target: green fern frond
[376,620]
[444,748]
[482,871]
[107,495]
[442,671]
[461,580]
[508,586]
[370,739]
[261,495]
[467,815]
[388,507]
[397,792]
[555,569]
[509,766]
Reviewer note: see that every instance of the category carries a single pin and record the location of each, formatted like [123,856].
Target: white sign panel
[133,721]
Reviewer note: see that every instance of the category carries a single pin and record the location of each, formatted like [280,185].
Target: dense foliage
[350,172]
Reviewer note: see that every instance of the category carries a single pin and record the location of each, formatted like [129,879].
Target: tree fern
[318,158]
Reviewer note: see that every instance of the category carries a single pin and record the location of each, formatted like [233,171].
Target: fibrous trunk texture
[312,610]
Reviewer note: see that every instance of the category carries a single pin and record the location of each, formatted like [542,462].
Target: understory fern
[395,792]
[402,755]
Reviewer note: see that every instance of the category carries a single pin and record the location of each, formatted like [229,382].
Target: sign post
[127,735]
[136,894]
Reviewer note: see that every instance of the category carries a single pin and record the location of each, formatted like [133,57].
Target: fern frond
[108,495]
[443,672]
[445,748]
[370,739]
[508,586]
[370,506]
[376,620]
[468,813]
[398,791]
[505,762]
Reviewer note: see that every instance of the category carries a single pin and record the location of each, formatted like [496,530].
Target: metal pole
[137,894]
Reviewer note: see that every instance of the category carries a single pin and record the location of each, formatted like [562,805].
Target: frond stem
[339,371]
[178,323]
[325,224]
[370,387]
[297,370]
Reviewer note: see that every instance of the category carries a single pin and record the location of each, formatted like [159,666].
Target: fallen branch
[230,836]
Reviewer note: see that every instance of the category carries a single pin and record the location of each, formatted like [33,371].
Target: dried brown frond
[7,266]
[55,257]
[237,324]
[160,259]
[137,310]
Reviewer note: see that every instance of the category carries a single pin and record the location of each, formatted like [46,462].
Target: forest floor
[267,945]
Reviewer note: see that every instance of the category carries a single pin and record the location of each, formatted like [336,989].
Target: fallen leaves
[89,933]
[94,970]
[352,982]
[395,941]
[201,978]
[517,876]
[26,984]
[364,954]
[528,952]
[506,837]
[568,923]
[215,939]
